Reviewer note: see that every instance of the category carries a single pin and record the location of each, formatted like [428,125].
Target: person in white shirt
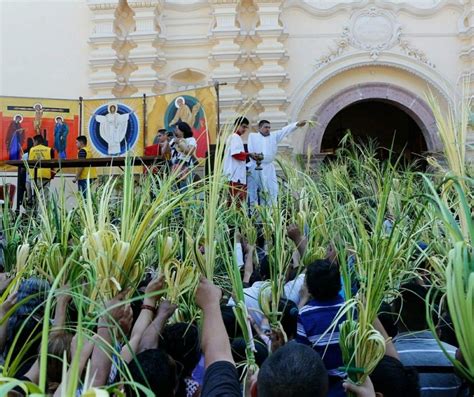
[235,160]
[263,184]
[183,154]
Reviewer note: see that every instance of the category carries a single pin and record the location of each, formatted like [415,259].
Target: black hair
[162,131]
[392,379]
[445,330]
[262,122]
[264,268]
[187,131]
[411,306]
[323,279]
[38,139]
[230,322]
[294,370]
[82,139]
[289,317]
[241,121]
[154,369]
[181,342]
[238,347]
[29,144]
[388,319]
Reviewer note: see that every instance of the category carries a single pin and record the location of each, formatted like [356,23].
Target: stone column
[271,74]
[124,27]
[102,55]
[223,55]
[145,56]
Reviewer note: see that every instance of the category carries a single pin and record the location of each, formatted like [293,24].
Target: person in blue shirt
[315,319]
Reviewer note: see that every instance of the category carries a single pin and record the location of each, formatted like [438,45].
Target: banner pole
[217,85]
[218,108]
[145,125]
[81,100]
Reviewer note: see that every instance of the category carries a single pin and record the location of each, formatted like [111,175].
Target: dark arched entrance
[380,120]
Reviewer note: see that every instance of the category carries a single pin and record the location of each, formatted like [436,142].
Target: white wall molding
[409,7]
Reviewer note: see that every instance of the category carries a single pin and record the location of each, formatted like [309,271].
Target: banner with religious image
[114,127]
[196,107]
[57,120]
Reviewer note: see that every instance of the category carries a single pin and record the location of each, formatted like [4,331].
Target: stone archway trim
[410,103]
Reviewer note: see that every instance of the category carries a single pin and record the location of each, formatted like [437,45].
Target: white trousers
[262,186]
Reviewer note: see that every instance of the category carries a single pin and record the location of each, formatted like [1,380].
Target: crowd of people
[137,343]
[205,358]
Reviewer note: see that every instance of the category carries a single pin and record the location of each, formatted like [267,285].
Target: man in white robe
[113,128]
[263,184]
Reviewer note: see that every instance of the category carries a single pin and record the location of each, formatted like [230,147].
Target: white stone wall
[44,49]
[286,57]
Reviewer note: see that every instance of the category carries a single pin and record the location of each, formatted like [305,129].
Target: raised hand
[207,294]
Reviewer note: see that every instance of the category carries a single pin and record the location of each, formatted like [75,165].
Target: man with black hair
[392,379]
[418,348]
[235,160]
[294,370]
[84,174]
[156,370]
[315,319]
[159,135]
[262,183]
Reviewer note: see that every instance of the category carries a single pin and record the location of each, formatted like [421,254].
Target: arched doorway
[382,121]
[372,97]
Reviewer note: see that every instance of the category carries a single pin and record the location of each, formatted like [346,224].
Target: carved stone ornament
[340,46]
[414,52]
[373,30]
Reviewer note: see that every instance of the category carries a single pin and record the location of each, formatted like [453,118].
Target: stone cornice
[406,6]
[102,4]
[143,4]
[112,4]
[186,41]
[186,6]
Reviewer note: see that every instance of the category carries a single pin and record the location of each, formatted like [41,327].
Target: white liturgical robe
[263,185]
[235,170]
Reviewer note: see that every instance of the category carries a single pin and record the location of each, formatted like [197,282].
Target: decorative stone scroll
[374,31]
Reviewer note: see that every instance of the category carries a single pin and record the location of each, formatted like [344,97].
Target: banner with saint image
[114,127]
[57,120]
[196,107]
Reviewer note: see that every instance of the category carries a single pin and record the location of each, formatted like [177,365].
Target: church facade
[356,65]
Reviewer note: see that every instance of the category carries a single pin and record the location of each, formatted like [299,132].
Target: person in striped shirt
[315,319]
